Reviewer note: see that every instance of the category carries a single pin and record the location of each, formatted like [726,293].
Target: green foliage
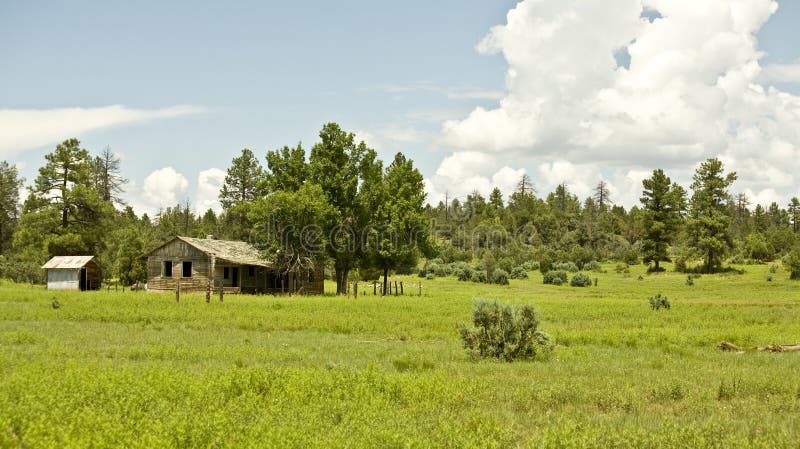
[530,266]
[566,266]
[690,280]
[555,277]
[505,332]
[580,280]
[500,277]
[10,183]
[593,266]
[664,203]
[710,217]
[659,302]
[518,273]
[479,276]
[792,263]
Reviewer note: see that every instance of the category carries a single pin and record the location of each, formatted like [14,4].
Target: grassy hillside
[138,370]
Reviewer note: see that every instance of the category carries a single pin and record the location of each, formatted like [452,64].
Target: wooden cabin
[195,264]
[73,273]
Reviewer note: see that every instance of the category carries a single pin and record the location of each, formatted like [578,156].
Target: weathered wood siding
[94,276]
[178,252]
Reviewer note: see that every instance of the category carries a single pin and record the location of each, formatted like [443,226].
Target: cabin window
[167,272]
[251,271]
[226,273]
[187,269]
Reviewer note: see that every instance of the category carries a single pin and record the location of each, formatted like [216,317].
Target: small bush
[464,275]
[430,276]
[505,332]
[566,266]
[555,277]
[792,263]
[545,265]
[581,280]
[622,268]
[773,268]
[500,277]
[519,273]
[659,301]
[478,276]
[593,266]
[690,280]
[530,266]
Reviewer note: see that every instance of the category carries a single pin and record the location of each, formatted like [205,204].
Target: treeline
[341,204]
[700,230]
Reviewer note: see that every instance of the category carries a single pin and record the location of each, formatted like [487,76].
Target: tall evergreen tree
[602,196]
[10,184]
[710,217]
[794,213]
[243,183]
[108,179]
[664,203]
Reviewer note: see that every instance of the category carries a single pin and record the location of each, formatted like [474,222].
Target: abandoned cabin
[73,273]
[197,264]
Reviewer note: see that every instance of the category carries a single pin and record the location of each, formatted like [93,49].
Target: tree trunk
[341,279]
[657,267]
[385,280]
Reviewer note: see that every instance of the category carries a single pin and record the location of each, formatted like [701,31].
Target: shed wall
[62,279]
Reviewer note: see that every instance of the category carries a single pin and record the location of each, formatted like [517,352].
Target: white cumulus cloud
[694,89]
[209,183]
[162,188]
[23,129]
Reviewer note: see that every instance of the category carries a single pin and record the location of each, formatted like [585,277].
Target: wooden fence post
[221,290]
[355,290]
[395,288]
[374,289]
[178,292]
[402,292]
[420,288]
[208,292]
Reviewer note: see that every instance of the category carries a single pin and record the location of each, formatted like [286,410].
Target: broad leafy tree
[399,230]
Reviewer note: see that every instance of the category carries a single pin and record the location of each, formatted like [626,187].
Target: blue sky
[197,82]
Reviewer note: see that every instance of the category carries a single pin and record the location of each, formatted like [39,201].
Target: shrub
[773,268]
[555,277]
[530,266]
[690,280]
[464,275]
[442,270]
[792,263]
[430,276]
[478,276]
[622,268]
[500,277]
[566,266]
[581,280]
[593,266]
[519,273]
[505,332]
[659,301]
[545,264]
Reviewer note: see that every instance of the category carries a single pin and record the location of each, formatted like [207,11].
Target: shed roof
[67,262]
[241,253]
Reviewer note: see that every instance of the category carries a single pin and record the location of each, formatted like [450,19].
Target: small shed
[73,273]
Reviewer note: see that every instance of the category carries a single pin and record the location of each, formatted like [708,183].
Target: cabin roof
[67,262]
[241,253]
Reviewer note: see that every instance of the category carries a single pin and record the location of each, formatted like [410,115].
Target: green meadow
[137,369]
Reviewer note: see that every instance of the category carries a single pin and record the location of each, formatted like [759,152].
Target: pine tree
[108,179]
[794,213]
[664,203]
[710,217]
[602,196]
[243,184]
[10,183]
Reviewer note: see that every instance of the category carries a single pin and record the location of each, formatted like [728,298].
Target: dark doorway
[82,280]
[235,276]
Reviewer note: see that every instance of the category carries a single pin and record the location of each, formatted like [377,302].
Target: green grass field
[129,369]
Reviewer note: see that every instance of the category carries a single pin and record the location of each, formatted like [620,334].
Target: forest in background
[370,219]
